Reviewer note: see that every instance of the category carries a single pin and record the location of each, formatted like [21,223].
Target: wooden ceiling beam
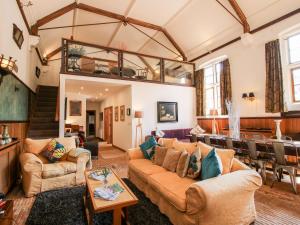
[241,15]
[53,53]
[100,12]
[174,43]
[52,16]
[143,24]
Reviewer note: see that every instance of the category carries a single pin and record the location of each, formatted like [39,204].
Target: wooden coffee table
[95,205]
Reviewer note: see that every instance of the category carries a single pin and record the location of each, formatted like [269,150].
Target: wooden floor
[275,206]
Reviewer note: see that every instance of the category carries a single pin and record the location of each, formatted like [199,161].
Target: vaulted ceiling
[184,27]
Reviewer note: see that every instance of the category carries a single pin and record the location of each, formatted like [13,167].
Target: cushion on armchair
[54,151]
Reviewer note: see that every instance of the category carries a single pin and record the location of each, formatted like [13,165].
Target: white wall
[26,60]
[95,106]
[76,120]
[248,71]
[122,135]
[144,96]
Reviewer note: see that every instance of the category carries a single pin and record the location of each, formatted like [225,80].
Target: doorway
[91,123]
[108,124]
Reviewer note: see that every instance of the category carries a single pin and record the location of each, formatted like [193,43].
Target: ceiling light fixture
[7,66]
[106,89]
[81,88]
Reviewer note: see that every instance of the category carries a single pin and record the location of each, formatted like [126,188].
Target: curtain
[274,84]
[200,100]
[225,85]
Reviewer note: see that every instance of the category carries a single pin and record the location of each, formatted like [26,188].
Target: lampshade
[7,65]
[245,96]
[251,96]
[138,114]
[213,112]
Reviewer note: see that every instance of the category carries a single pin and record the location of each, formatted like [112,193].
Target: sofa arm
[135,153]
[229,198]
[32,168]
[81,164]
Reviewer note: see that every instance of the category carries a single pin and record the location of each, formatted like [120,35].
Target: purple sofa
[180,134]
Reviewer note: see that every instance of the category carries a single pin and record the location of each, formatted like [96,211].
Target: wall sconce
[7,66]
[245,96]
[250,97]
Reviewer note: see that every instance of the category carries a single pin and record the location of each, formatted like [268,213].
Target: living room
[149,112]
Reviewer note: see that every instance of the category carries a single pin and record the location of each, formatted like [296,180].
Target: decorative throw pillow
[183,164]
[171,160]
[194,166]
[189,147]
[148,147]
[226,156]
[167,142]
[160,154]
[54,151]
[211,166]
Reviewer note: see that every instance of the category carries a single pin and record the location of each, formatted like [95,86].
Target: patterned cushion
[148,148]
[194,167]
[54,151]
[183,164]
[211,165]
[160,154]
[171,160]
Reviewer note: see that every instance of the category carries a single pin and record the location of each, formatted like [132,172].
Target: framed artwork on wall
[18,36]
[101,116]
[117,113]
[122,113]
[128,111]
[75,108]
[167,112]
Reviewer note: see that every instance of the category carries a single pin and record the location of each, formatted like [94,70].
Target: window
[293,44]
[212,87]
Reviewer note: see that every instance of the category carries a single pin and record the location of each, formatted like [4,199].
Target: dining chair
[283,137]
[260,161]
[207,140]
[193,138]
[240,152]
[281,163]
[258,137]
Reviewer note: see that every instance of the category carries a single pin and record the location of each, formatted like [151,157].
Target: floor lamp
[138,128]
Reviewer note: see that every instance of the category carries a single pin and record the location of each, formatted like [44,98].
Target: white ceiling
[93,91]
[196,25]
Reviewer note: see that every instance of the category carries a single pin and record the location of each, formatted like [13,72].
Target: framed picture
[75,108]
[167,112]
[128,111]
[37,72]
[18,36]
[122,113]
[117,113]
[101,116]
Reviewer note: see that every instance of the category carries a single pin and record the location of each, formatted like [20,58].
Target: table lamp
[138,115]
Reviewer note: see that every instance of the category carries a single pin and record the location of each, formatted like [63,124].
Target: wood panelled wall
[288,125]
[16,130]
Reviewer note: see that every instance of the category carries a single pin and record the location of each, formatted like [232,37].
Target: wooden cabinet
[8,165]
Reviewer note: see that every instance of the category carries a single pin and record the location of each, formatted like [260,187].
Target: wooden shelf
[14,142]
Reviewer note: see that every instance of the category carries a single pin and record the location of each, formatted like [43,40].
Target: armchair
[39,175]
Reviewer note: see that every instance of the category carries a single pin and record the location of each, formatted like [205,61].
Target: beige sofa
[226,200]
[39,175]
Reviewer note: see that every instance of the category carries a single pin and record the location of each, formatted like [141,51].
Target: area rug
[65,207]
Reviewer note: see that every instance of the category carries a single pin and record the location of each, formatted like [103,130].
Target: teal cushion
[211,165]
[148,147]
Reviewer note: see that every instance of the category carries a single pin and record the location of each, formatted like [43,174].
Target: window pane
[209,79]
[296,76]
[209,99]
[294,48]
[208,71]
[218,71]
[218,97]
[294,55]
[297,92]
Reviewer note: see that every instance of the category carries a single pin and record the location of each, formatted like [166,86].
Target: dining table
[263,144]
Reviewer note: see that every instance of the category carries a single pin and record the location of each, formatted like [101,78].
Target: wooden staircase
[42,121]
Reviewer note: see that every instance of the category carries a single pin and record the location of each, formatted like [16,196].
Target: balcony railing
[85,59]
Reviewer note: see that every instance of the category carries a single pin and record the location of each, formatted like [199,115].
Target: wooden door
[108,124]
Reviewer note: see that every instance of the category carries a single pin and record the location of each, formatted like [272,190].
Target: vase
[278,131]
